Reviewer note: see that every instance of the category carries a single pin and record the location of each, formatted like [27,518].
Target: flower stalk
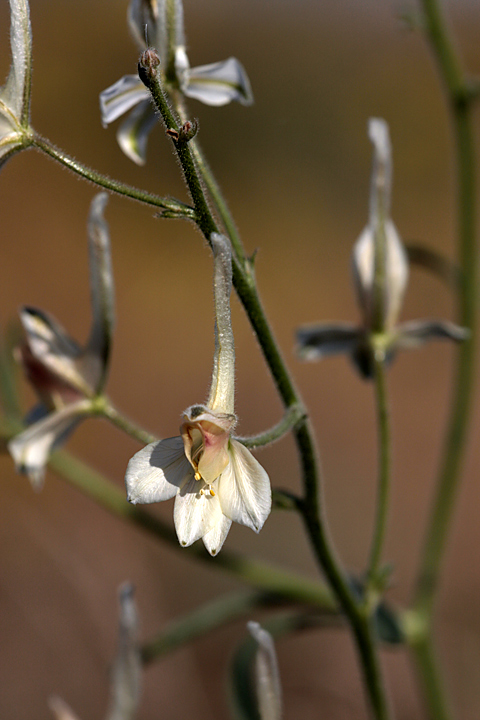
[176,207]
[244,283]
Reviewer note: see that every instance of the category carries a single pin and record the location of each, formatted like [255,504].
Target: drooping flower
[215,480]
[380,272]
[15,132]
[66,377]
[161,23]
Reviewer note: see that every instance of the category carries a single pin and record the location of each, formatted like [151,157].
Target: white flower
[214,84]
[126,672]
[379,243]
[65,376]
[215,480]
[15,130]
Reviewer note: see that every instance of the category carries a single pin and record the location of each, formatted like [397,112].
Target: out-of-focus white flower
[126,671]
[267,676]
[65,376]
[215,480]
[161,23]
[380,272]
[15,132]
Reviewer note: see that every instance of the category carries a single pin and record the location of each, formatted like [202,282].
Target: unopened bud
[148,64]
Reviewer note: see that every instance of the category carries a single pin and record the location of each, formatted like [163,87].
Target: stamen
[197,476]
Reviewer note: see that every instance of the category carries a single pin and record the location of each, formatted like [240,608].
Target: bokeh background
[295,168]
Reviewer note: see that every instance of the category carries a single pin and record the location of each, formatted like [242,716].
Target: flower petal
[218,83]
[54,349]
[30,449]
[396,273]
[195,512]
[120,97]
[244,489]
[156,472]
[214,538]
[132,135]
[417,332]
[102,294]
[317,341]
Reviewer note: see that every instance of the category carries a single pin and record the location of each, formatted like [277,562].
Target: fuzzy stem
[244,283]
[293,415]
[172,206]
[104,408]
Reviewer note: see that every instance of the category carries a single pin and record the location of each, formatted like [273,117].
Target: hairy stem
[244,283]
[293,415]
[173,206]
[104,408]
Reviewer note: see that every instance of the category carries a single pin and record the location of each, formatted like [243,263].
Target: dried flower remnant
[66,377]
[214,84]
[15,132]
[380,271]
[215,480]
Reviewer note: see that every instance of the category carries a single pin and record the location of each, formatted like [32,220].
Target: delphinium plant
[208,467]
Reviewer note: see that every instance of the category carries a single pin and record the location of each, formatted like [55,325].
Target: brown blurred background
[295,168]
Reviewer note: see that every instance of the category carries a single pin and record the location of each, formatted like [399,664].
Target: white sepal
[218,83]
[31,448]
[156,472]
[214,538]
[196,511]
[132,135]
[244,489]
[121,96]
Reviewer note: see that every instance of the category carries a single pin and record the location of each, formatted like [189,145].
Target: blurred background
[295,168]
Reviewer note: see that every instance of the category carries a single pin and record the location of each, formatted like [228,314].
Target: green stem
[432,683]
[293,415]
[175,207]
[460,102]
[383,424]
[261,575]
[206,618]
[244,283]
[104,408]
[212,185]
